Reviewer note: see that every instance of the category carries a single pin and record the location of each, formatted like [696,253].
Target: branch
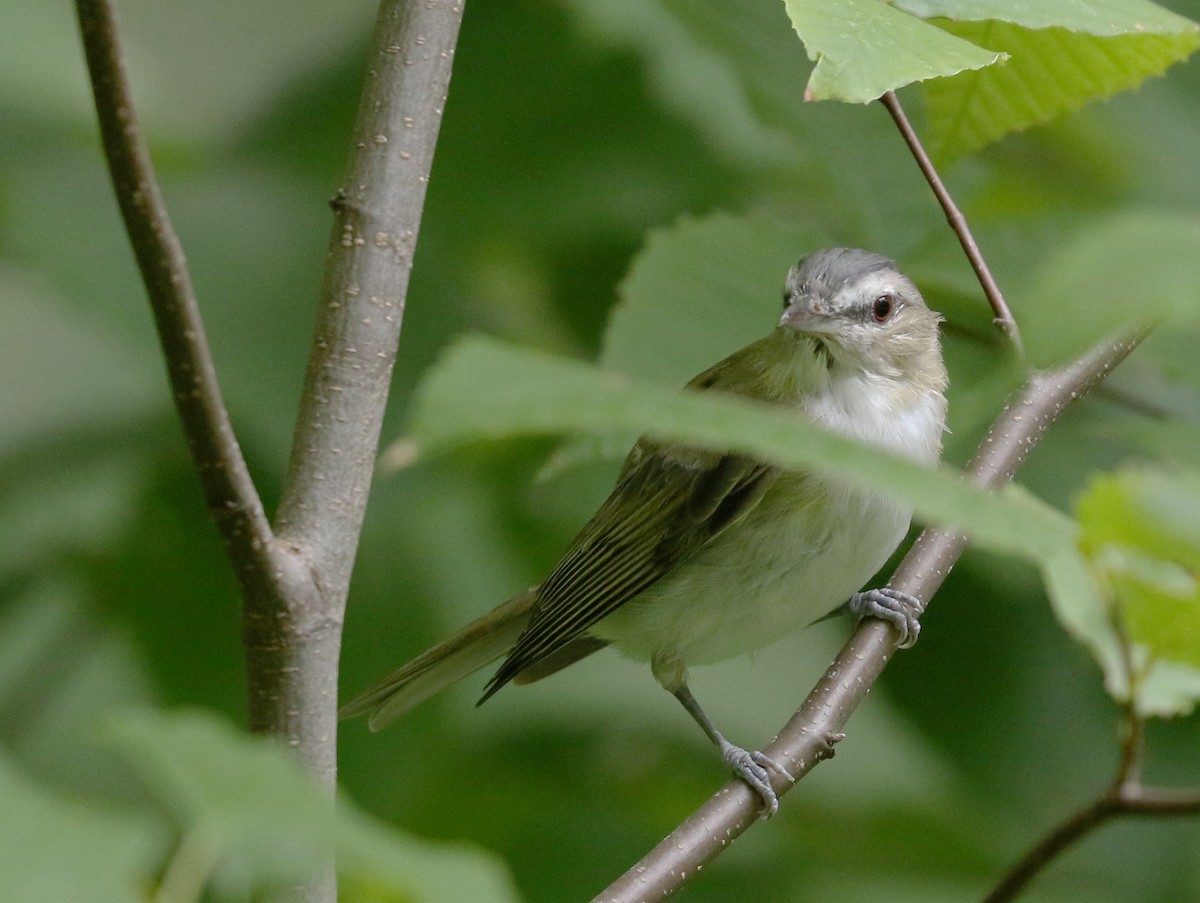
[957,221]
[294,582]
[292,651]
[805,739]
[1125,796]
[228,488]
[377,213]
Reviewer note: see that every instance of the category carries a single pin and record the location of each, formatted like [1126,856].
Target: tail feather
[477,645]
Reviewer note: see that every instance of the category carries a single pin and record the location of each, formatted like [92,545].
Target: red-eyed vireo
[699,556]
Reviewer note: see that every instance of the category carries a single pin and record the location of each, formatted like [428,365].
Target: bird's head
[863,313]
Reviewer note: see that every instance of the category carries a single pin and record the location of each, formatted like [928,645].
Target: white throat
[881,411]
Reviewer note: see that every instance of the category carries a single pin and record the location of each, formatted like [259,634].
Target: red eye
[883,307]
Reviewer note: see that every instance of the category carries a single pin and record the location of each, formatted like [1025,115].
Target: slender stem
[1087,819]
[804,740]
[1122,799]
[955,218]
[1133,734]
[1157,801]
[228,488]
[271,575]
[1125,796]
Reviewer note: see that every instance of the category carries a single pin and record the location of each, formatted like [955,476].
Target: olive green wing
[666,506]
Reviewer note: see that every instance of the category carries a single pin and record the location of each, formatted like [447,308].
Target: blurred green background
[572,129]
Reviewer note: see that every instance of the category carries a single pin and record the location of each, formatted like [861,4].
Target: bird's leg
[750,765]
[901,610]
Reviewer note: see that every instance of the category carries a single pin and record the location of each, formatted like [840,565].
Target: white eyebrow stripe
[869,287]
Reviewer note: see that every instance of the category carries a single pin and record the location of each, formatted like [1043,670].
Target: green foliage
[1142,537]
[863,49]
[60,850]
[241,818]
[987,68]
[663,146]
[1140,267]
[1059,56]
[698,288]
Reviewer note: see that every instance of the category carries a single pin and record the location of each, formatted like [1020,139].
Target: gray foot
[754,768]
[897,608]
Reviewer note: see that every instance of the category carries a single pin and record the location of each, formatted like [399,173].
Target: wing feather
[664,508]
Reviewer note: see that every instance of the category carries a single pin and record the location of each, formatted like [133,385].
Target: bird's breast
[803,551]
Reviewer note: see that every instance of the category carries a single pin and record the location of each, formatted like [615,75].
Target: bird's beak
[807,315]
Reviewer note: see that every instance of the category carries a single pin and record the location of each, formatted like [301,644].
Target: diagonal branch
[228,489]
[1122,799]
[955,218]
[805,739]
[1125,796]
[1119,801]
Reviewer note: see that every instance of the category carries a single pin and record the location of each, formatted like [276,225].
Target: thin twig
[1122,799]
[1133,733]
[228,488]
[1125,796]
[806,738]
[957,221]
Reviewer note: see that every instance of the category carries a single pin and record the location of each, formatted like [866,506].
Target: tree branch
[295,584]
[955,218]
[805,739]
[267,572]
[293,649]
[228,488]
[1123,798]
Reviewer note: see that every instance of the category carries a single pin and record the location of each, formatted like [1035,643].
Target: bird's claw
[754,768]
[893,606]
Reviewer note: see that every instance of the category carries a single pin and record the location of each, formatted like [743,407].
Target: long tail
[477,645]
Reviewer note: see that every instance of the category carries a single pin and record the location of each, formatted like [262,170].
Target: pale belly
[785,565]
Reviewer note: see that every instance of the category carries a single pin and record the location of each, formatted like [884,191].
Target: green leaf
[1148,510]
[697,288]
[864,48]
[484,389]
[63,851]
[700,80]
[377,863]
[258,816]
[1160,604]
[1098,17]
[1134,267]
[1141,535]
[709,284]
[1061,55]
[95,376]
[250,818]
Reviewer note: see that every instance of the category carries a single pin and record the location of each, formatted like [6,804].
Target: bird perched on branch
[698,556]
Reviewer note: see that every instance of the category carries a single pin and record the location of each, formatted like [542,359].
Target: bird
[699,555]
